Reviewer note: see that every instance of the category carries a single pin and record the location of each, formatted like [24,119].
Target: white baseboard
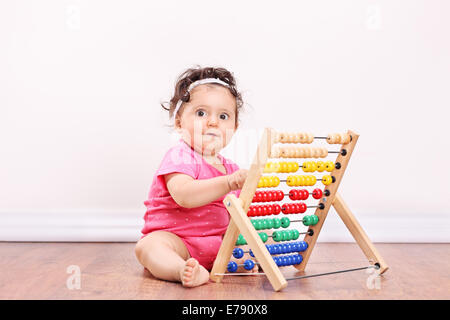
[103,226]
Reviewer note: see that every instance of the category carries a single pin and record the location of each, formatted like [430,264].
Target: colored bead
[248,264]
[269,223]
[277,236]
[251,253]
[238,253]
[285,222]
[329,166]
[276,209]
[263,236]
[306,194]
[306,220]
[295,234]
[293,194]
[306,167]
[320,166]
[232,266]
[317,193]
[303,245]
[276,223]
[326,180]
[302,208]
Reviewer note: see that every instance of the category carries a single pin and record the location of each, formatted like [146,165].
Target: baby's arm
[190,193]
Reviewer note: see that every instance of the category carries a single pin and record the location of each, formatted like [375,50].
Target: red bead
[305,194]
[258,211]
[280,195]
[317,193]
[272,195]
[263,210]
[292,194]
[302,208]
[276,209]
[250,211]
[284,208]
[263,196]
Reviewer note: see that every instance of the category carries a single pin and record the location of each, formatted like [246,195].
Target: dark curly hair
[193,74]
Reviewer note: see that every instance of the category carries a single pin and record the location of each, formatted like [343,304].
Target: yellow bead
[290,181]
[329,166]
[276,167]
[320,166]
[313,166]
[275,181]
[289,166]
[326,180]
[283,167]
[300,181]
[306,165]
[313,180]
[267,167]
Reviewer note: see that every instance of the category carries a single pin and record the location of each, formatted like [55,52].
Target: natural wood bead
[283,137]
[346,138]
[302,137]
[275,153]
[324,152]
[291,137]
[332,138]
[310,138]
[298,152]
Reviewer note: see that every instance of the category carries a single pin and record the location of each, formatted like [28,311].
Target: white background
[82,132]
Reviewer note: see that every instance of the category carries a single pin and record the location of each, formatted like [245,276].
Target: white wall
[81,130]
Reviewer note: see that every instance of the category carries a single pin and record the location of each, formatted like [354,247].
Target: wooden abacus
[239,207]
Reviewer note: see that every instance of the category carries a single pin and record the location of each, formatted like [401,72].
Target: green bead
[276,223]
[263,236]
[307,220]
[315,220]
[264,224]
[295,235]
[276,236]
[284,236]
[253,223]
[290,234]
[285,222]
[269,223]
[240,240]
[258,225]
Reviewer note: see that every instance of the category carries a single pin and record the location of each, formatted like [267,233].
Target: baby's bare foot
[193,274]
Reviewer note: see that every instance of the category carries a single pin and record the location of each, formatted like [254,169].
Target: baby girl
[185,219]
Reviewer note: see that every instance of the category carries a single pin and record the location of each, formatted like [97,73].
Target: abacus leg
[358,233]
[166,257]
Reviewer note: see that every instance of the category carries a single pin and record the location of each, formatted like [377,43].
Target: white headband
[195,84]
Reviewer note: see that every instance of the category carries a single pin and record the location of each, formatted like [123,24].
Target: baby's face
[208,121]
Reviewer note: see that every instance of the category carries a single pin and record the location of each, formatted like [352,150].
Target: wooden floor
[111,271]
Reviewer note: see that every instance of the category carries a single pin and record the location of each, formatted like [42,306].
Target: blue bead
[238,253]
[294,246]
[251,253]
[232,266]
[249,264]
[289,260]
[289,247]
[277,249]
[299,258]
[269,248]
[284,248]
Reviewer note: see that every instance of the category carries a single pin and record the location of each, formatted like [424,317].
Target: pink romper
[202,228]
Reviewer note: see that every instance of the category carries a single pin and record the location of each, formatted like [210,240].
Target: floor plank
[111,271]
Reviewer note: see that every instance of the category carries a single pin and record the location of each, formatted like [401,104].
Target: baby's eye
[200,113]
[224,116]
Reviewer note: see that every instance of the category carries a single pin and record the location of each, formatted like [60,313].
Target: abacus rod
[333,272]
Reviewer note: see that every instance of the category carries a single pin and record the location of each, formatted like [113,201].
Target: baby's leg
[166,257]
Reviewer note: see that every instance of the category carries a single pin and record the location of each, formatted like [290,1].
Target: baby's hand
[236,179]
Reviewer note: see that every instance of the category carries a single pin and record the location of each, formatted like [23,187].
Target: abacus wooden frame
[240,223]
